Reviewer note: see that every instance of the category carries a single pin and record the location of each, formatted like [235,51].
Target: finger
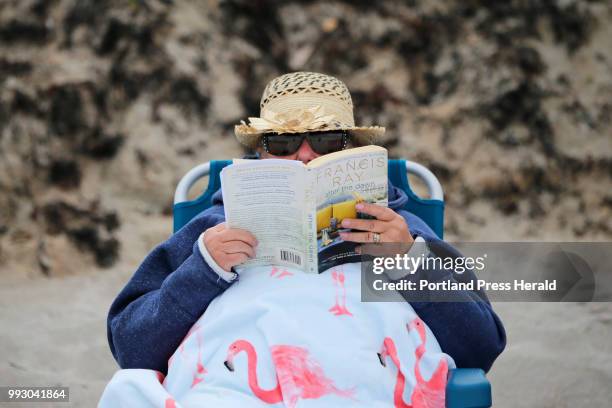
[381,213]
[236,247]
[219,227]
[235,259]
[214,230]
[365,225]
[362,237]
[235,234]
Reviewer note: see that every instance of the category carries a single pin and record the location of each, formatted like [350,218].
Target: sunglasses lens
[283,145]
[328,142]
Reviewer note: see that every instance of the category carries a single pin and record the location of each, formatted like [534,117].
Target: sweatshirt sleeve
[464,323]
[166,295]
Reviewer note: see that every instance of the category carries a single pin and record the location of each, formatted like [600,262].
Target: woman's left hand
[388,226]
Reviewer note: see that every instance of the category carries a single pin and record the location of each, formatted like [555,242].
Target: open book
[295,210]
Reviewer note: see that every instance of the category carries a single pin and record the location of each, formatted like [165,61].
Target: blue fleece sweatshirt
[173,287]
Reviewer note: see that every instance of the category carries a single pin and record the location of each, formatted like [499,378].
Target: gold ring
[375,237]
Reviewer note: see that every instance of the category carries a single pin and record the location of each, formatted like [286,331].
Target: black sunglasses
[284,144]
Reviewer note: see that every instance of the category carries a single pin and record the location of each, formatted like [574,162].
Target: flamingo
[181,347]
[433,390]
[282,274]
[426,394]
[298,375]
[389,349]
[339,309]
[285,273]
[198,377]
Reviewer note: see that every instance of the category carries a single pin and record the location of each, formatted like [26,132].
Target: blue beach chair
[467,387]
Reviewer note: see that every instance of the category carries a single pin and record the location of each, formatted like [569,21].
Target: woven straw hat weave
[302,102]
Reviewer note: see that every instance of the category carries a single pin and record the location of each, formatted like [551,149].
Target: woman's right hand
[228,246]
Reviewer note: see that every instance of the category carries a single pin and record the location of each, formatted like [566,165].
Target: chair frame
[431,181]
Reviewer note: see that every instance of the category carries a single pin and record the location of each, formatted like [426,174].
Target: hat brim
[249,137]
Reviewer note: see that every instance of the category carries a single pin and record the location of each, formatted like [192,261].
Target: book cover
[343,180]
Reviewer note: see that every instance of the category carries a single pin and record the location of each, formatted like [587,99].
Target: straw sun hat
[303,102]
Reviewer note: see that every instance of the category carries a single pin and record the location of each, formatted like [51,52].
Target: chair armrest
[431,181]
[468,388]
[188,180]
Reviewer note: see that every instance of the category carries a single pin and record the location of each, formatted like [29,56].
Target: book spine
[310,223]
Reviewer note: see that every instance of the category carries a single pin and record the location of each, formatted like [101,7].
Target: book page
[268,198]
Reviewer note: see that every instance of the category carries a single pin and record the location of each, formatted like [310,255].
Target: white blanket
[279,337]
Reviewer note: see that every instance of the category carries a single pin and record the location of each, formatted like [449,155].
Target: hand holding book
[386,226]
[229,246]
[389,225]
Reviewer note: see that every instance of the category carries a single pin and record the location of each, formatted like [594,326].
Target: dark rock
[40,8]
[250,96]
[518,104]
[113,33]
[133,83]
[83,12]
[65,173]
[257,22]
[87,227]
[522,105]
[8,67]
[102,146]
[529,61]
[24,103]
[184,92]
[571,24]
[508,206]
[107,252]
[22,31]
[66,113]
[580,113]
[110,221]
[442,171]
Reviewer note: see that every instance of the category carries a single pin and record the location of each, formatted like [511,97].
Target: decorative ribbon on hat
[291,121]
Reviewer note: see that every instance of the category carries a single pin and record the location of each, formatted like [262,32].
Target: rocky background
[105,104]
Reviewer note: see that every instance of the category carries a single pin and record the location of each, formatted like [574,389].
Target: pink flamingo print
[433,390]
[181,347]
[426,394]
[388,349]
[339,308]
[198,376]
[284,273]
[298,375]
[170,403]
